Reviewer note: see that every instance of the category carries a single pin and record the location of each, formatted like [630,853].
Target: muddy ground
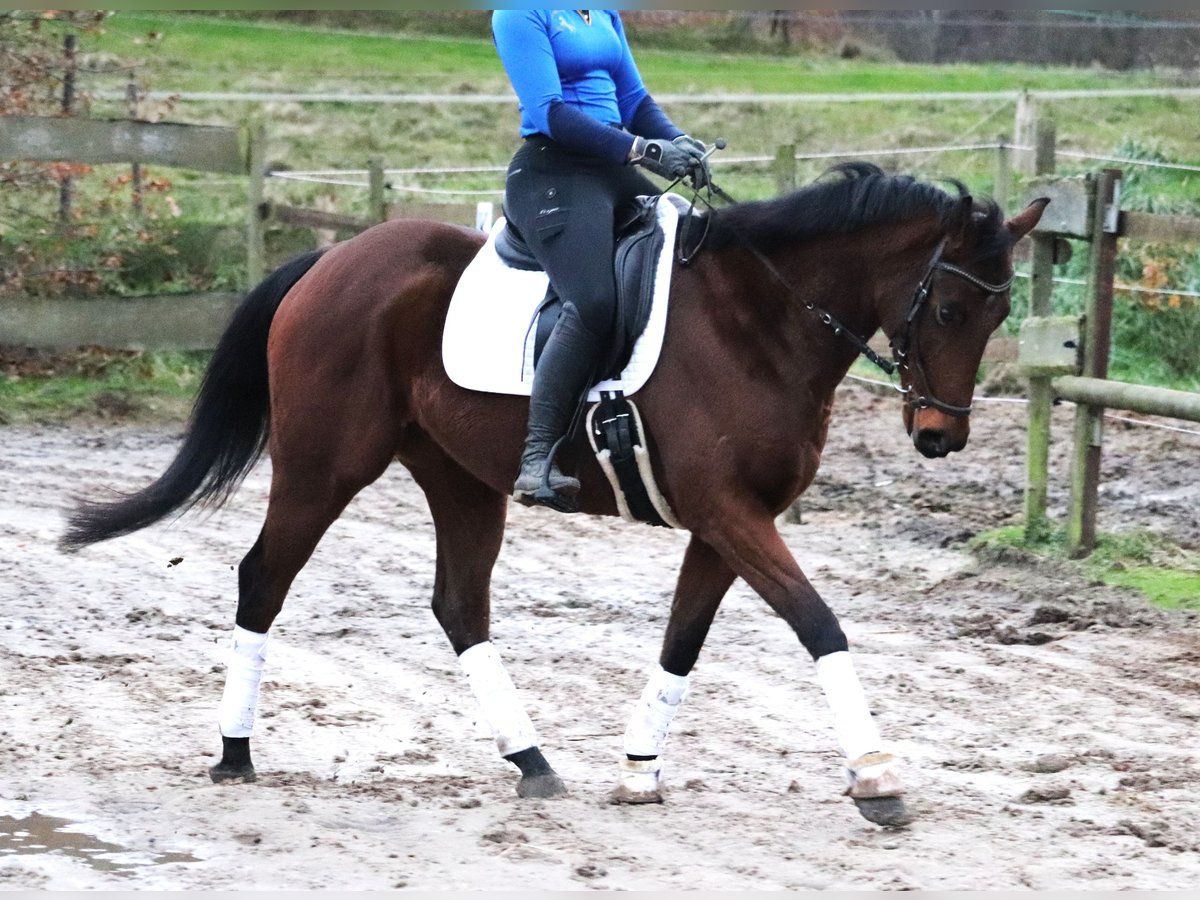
[1050,724]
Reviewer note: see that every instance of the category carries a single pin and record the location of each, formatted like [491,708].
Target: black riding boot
[567,363]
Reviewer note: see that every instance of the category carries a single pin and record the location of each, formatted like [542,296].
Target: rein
[901,347]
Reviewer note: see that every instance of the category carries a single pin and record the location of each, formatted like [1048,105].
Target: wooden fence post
[256,165]
[785,168]
[378,189]
[1089,418]
[1041,287]
[66,190]
[135,170]
[1024,133]
[1002,183]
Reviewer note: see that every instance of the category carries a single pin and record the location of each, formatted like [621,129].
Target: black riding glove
[691,146]
[661,157]
[698,174]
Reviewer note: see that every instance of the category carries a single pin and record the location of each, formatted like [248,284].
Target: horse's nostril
[931,442]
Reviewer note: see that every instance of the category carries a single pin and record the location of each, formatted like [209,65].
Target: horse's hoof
[887,811]
[623,794]
[541,787]
[228,773]
[641,782]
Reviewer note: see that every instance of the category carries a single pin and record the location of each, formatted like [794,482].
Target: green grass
[100,384]
[199,52]
[208,53]
[1165,574]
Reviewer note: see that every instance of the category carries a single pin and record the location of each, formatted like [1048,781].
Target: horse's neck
[814,292]
[859,282]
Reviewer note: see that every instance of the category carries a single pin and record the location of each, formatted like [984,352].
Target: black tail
[228,428]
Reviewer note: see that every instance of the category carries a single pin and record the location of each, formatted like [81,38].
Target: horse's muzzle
[935,443]
[934,433]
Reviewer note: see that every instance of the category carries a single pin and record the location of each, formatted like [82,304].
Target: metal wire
[1127,288]
[447,191]
[317,174]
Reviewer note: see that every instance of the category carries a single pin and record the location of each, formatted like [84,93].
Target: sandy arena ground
[1050,724]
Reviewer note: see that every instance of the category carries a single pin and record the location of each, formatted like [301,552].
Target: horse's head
[939,339]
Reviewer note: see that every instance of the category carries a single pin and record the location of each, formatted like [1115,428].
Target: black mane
[848,198]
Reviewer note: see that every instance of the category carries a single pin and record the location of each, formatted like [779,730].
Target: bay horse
[333,363]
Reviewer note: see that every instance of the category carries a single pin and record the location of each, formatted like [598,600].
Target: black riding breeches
[564,204]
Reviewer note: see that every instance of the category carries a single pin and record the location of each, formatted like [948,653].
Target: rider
[587,121]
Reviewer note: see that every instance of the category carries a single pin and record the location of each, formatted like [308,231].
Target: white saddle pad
[490,327]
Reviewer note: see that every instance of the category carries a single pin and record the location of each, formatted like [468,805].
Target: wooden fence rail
[204,148]
[1151,401]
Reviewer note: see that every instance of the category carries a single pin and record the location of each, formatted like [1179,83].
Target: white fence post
[484,213]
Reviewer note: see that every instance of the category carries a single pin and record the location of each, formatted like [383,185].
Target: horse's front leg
[703,580]
[754,550]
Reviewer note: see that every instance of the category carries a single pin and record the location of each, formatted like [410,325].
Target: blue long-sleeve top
[577,83]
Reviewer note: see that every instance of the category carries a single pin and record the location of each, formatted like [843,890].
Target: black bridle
[903,357]
[902,344]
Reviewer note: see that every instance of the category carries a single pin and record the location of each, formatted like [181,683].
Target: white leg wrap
[646,733]
[869,771]
[856,731]
[498,698]
[243,673]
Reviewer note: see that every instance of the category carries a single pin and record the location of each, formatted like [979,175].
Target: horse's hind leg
[469,521]
[313,479]
[703,581]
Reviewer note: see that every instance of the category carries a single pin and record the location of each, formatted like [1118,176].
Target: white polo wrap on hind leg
[497,695]
[243,674]
[856,730]
[655,709]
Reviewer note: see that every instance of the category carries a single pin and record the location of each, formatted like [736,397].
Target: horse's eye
[944,315]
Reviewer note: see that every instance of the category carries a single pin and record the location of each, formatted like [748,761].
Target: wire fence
[338,176]
[358,178]
[1124,288]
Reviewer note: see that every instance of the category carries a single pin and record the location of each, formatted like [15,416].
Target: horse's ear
[1024,221]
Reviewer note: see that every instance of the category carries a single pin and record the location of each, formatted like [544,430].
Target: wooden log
[171,322]
[1138,398]
[1139,226]
[315,218]
[206,148]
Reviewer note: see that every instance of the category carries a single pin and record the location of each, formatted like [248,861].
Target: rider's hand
[699,175]
[663,158]
[691,146]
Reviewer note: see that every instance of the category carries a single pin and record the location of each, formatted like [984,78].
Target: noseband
[902,343]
